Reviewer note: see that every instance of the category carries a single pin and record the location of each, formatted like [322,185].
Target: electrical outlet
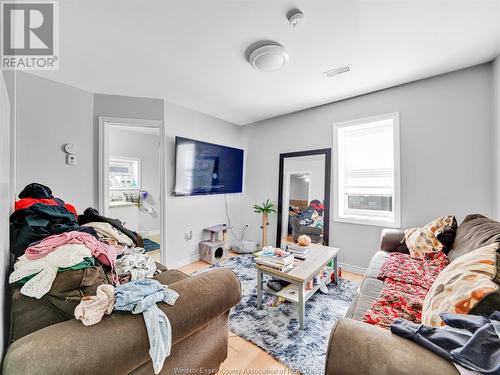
[188,236]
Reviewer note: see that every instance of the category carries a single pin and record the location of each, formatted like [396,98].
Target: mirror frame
[328,167]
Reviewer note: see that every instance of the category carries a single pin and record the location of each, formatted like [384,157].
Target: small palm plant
[265,209]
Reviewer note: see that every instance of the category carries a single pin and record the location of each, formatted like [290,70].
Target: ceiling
[192,53]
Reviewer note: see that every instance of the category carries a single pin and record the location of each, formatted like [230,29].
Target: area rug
[276,329]
[150,245]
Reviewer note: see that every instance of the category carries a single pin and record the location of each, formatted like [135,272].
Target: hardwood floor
[242,354]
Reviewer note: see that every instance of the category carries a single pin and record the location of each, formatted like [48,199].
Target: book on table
[298,249]
[276,266]
[286,258]
[279,262]
[300,252]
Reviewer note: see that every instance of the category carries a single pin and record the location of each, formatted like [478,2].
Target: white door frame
[104,124]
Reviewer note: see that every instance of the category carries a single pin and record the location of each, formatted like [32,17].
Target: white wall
[299,188]
[49,115]
[146,147]
[445,152]
[197,212]
[315,165]
[496,136]
[5,202]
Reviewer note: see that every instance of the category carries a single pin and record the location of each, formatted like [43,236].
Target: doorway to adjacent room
[131,178]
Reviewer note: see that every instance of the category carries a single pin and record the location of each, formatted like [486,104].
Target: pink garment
[104,253]
[91,309]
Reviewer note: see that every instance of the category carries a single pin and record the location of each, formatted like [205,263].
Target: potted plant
[265,209]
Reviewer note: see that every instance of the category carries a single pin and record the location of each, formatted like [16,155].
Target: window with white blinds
[367,171]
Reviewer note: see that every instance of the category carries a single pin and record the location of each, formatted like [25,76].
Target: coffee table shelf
[305,270]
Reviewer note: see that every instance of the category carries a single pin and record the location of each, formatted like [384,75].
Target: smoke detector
[338,70]
[267,56]
[295,17]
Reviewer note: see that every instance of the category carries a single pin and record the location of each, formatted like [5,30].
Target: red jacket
[28,202]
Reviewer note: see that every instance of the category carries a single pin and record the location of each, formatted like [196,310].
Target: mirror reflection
[303,198]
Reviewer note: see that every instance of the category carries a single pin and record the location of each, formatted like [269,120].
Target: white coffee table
[305,270]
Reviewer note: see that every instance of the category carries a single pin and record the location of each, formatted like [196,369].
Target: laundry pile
[86,266]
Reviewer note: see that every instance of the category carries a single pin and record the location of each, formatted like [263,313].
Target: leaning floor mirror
[304,196]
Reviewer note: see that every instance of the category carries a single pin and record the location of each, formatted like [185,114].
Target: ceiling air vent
[337,71]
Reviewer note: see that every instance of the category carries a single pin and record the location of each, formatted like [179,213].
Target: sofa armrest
[119,343]
[360,348]
[390,240]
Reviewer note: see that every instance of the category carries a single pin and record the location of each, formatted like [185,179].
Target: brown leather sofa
[356,347]
[119,343]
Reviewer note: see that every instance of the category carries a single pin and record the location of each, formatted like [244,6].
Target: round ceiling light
[268,57]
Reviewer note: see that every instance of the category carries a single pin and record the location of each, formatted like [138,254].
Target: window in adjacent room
[124,173]
[366,164]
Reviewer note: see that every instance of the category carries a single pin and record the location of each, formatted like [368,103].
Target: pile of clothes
[86,265]
[311,216]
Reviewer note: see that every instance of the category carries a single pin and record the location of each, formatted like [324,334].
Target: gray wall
[195,213]
[445,152]
[51,114]
[5,201]
[128,107]
[125,107]
[496,136]
[48,115]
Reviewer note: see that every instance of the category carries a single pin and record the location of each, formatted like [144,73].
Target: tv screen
[206,168]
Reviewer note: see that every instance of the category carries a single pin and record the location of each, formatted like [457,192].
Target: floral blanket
[406,282]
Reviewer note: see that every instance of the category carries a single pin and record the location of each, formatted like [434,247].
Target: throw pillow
[421,241]
[469,284]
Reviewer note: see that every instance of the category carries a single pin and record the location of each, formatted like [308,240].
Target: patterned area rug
[276,329]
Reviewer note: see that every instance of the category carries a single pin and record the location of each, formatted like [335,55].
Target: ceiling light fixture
[267,56]
[337,71]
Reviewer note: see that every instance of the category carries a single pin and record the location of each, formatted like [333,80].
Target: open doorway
[131,178]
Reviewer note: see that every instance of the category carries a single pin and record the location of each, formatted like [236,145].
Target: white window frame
[375,220]
[139,171]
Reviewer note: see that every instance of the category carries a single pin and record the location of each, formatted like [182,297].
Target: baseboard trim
[352,268]
[183,262]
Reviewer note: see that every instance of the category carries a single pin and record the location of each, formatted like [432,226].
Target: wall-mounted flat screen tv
[206,168]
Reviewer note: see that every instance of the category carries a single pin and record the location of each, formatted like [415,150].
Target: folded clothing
[45,269]
[141,296]
[104,253]
[91,215]
[91,309]
[106,230]
[467,340]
